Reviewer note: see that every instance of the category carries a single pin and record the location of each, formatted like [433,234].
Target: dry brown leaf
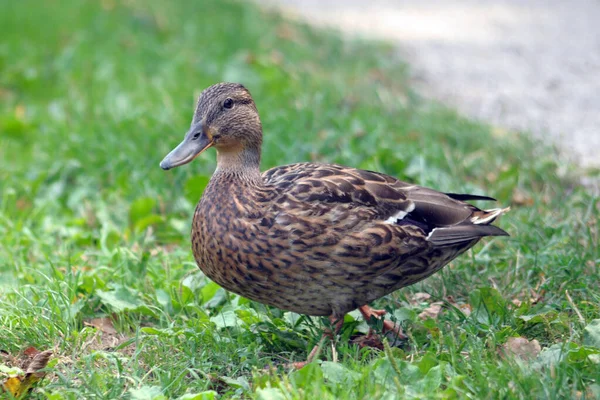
[19,385]
[419,297]
[522,348]
[106,337]
[465,308]
[433,311]
[492,177]
[109,342]
[520,198]
[31,352]
[536,296]
[23,204]
[39,362]
[529,296]
[104,324]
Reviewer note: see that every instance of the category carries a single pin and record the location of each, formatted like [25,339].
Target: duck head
[225,118]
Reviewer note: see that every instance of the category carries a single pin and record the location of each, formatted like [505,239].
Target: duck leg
[337,323]
[370,340]
[388,326]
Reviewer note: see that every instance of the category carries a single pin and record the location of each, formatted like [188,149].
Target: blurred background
[95,260]
[527,65]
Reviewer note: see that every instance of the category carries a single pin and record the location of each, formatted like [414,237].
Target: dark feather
[455,235]
[465,197]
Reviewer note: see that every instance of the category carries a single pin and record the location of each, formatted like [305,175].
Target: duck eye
[228,103]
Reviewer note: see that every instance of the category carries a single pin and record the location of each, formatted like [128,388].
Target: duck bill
[196,140]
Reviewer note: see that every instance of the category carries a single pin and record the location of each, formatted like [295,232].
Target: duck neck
[239,164]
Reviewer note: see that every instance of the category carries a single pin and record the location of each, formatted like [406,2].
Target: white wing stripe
[399,215]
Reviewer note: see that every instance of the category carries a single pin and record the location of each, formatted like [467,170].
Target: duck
[313,238]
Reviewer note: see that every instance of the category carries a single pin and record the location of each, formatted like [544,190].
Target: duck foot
[371,339]
[388,326]
[311,356]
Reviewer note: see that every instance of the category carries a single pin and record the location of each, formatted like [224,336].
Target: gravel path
[531,65]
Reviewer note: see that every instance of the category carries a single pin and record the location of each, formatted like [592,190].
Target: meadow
[95,259]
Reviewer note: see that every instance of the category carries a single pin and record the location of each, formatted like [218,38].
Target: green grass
[94,93]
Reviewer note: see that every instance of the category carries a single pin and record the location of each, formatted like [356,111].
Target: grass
[94,93]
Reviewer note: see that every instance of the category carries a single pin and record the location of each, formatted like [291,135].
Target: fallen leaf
[23,204]
[520,198]
[18,385]
[31,351]
[104,324]
[419,297]
[433,311]
[492,177]
[13,385]
[521,348]
[536,297]
[463,307]
[531,296]
[38,363]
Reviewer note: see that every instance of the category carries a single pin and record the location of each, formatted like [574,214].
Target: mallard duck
[315,239]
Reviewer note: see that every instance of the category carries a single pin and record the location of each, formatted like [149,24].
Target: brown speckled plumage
[317,239]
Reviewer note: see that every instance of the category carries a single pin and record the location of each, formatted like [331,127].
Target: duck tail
[485,217]
[478,227]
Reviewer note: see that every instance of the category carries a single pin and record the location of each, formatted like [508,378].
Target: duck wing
[350,197]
